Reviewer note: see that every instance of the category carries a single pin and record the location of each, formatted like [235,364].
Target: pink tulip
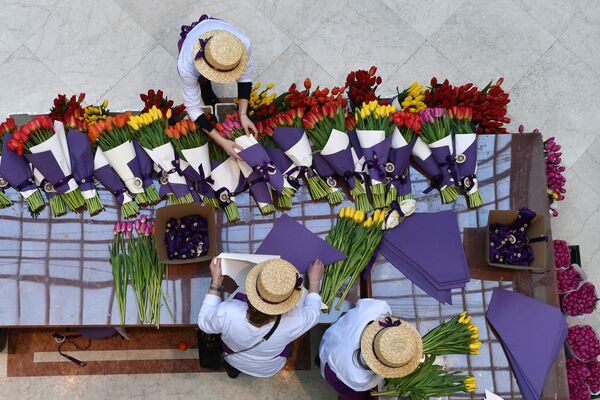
[143,218]
[129,226]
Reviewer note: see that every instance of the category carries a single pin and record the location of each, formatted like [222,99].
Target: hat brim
[218,76]
[368,354]
[260,304]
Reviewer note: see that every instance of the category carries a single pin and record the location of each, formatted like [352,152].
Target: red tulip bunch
[295,98]
[584,342]
[577,374]
[290,118]
[36,131]
[63,108]
[562,254]
[362,85]
[163,103]
[581,301]
[320,121]
[568,279]
[7,127]
[408,123]
[488,105]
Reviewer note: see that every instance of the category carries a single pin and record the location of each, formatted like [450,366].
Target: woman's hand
[315,273]
[230,147]
[216,272]
[248,125]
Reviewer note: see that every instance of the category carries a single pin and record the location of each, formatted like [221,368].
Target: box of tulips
[186,233]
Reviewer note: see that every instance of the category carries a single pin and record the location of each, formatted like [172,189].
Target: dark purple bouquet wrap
[82,168]
[398,170]
[257,157]
[186,237]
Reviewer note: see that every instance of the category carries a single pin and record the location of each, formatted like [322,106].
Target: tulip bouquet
[227,180]
[412,98]
[133,258]
[262,103]
[92,114]
[358,238]
[113,139]
[554,174]
[6,128]
[456,336]
[373,129]
[44,144]
[192,146]
[465,142]
[150,130]
[292,139]
[436,133]
[256,165]
[407,126]
[58,208]
[323,125]
[362,86]
[429,380]
[157,99]
[306,99]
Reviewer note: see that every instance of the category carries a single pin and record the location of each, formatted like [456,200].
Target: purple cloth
[287,137]
[82,159]
[376,157]
[259,160]
[15,169]
[49,167]
[400,176]
[346,392]
[307,246]
[111,181]
[416,238]
[531,333]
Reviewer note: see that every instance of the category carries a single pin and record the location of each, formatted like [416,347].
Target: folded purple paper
[82,159]
[298,245]
[15,169]
[257,158]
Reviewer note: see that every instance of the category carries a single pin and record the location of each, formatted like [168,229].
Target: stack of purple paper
[428,250]
[531,334]
[294,243]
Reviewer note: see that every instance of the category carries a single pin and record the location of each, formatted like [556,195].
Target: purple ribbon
[200,54]
[186,29]
[388,322]
[379,168]
[436,183]
[298,286]
[396,207]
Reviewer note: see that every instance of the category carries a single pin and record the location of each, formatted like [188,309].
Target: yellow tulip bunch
[470,384]
[136,122]
[374,116]
[413,98]
[456,336]
[151,127]
[357,235]
[260,99]
[93,114]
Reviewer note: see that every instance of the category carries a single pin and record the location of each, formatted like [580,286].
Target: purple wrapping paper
[145,165]
[242,184]
[376,157]
[324,170]
[306,248]
[82,159]
[419,234]
[354,142]
[194,180]
[343,165]
[111,181]
[400,159]
[278,157]
[415,276]
[443,158]
[259,188]
[531,333]
[15,169]
[256,156]
[468,167]
[287,137]
[49,167]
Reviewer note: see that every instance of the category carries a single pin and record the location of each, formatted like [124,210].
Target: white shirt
[188,73]
[229,319]
[342,340]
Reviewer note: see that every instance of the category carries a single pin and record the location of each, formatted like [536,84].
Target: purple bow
[379,168]
[395,206]
[388,322]
[436,183]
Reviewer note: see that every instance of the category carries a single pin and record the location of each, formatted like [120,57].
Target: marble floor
[547,50]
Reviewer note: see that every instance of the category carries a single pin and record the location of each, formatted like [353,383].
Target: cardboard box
[163,215]
[537,228]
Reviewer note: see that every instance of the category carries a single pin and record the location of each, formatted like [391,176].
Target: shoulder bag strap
[264,338]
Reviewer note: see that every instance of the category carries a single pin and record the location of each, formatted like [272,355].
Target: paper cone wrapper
[53,162]
[109,178]
[198,157]
[295,144]
[16,170]
[122,160]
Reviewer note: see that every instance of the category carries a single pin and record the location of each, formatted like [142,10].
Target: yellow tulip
[270,85]
[350,213]
[475,345]
[382,217]
[376,214]
[105,103]
[372,105]
[257,85]
[470,384]
[342,212]
[462,316]
[169,113]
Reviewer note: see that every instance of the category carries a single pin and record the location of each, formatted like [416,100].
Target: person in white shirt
[274,295]
[365,346]
[213,50]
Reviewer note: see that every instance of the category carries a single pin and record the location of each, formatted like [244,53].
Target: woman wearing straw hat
[257,328]
[211,50]
[365,346]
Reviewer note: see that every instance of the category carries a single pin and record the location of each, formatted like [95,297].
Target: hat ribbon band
[298,286]
[202,55]
[388,322]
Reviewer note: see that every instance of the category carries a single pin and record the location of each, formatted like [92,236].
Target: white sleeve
[190,89]
[305,316]
[247,75]
[211,317]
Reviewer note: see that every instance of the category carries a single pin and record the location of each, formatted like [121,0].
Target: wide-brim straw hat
[391,347]
[274,286]
[225,56]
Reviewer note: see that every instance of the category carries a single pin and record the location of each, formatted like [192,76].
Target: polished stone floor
[547,50]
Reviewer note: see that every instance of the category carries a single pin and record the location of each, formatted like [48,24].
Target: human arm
[211,317]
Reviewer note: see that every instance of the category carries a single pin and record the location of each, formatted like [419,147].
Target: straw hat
[274,286]
[391,347]
[224,58]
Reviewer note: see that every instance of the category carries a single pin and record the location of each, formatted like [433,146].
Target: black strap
[264,339]
[63,339]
